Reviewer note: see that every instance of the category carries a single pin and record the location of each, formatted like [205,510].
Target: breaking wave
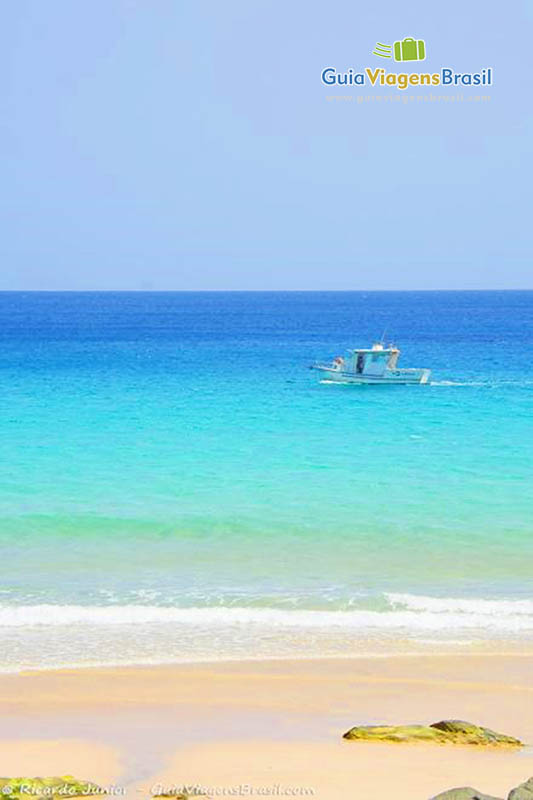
[404,613]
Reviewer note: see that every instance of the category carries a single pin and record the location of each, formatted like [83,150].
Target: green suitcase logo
[410,50]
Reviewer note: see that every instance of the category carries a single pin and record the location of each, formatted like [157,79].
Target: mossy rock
[522,792]
[395,733]
[449,731]
[465,793]
[172,795]
[468,733]
[64,786]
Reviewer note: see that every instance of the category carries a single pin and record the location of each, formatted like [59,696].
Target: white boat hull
[390,378]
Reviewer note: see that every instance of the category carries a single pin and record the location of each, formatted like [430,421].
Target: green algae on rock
[469,733]
[395,733]
[179,796]
[450,731]
[464,793]
[47,788]
[522,792]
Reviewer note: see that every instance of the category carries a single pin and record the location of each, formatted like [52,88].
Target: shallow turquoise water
[174,473]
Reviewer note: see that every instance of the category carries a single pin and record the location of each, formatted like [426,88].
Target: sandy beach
[269,728]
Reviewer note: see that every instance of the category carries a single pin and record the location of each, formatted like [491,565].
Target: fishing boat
[377,365]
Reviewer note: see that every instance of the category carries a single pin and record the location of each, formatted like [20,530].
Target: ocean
[178,486]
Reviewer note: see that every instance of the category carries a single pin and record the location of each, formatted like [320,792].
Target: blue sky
[158,144]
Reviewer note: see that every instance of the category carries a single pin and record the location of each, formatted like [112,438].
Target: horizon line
[253,291]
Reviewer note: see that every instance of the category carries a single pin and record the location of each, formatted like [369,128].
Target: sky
[158,144]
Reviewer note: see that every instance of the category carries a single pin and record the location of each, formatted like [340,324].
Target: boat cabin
[372,362]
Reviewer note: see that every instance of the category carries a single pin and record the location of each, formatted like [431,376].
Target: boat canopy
[375,349]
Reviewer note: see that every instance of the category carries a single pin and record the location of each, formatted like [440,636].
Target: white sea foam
[491,384]
[459,383]
[408,613]
[476,606]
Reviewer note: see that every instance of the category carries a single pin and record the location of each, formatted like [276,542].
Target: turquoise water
[178,485]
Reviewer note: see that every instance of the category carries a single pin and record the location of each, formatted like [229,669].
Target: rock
[522,792]
[474,734]
[464,793]
[46,788]
[173,795]
[396,733]
[449,731]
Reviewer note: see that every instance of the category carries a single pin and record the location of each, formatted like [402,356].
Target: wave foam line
[440,605]
[438,619]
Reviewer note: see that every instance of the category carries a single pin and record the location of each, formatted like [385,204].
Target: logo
[405,50]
